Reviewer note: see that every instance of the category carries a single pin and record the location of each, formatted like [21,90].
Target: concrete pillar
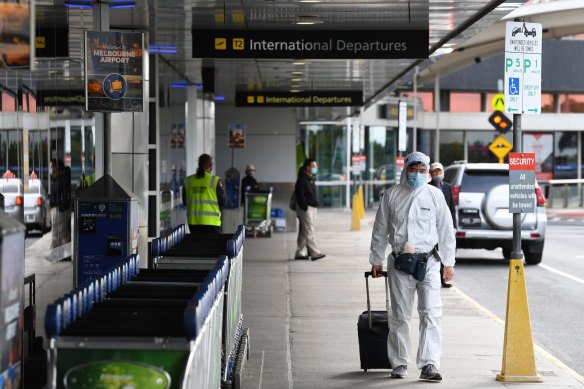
[200,128]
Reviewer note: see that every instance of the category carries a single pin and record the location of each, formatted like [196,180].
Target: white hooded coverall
[420,217]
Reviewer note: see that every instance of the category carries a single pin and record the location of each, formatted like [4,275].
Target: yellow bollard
[361,202]
[518,356]
[355,220]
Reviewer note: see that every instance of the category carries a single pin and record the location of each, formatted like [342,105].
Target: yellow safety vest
[201,196]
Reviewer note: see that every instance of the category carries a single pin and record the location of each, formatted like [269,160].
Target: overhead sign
[522,197]
[315,44]
[358,163]
[498,102]
[523,44]
[500,147]
[114,80]
[300,99]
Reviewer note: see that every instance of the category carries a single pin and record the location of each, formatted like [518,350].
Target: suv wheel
[533,252]
[533,258]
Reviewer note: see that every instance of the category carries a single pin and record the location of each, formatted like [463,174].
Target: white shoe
[400,371]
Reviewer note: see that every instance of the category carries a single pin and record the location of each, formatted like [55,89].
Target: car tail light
[455,193]
[535,235]
[539,194]
[18,200]
[460,234]
[40,201]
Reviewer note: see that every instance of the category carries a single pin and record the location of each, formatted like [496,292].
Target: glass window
[451,147]
[481,181]
[8,102]
[426,98]
[548,103]
[478,145]
[326,143]
[565,154]
[465,102]
[543,147]
[571,103]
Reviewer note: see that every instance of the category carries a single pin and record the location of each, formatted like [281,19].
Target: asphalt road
[555,290]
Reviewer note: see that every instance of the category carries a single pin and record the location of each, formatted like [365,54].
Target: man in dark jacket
[249,183]
[437,173]
[307,201]
[60,203]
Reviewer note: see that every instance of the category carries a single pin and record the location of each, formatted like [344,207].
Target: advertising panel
[236,136]
[14,33]
[114,80]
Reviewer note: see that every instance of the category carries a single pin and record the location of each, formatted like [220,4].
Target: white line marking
[288,318]
[561,273]
[537,348]
[262,369]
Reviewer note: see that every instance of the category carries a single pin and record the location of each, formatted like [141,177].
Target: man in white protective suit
[414,218]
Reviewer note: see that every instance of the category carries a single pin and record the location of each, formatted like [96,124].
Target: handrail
[566,181]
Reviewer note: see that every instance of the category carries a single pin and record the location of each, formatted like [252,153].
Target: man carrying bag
[413,217]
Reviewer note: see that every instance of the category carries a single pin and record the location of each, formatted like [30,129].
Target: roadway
[555,289]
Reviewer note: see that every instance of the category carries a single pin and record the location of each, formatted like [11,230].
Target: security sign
[522,197]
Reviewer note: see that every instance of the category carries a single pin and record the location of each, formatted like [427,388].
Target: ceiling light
[309,1]
[294,90]
[306,23]
[298,63]
[298,73]
[296,79]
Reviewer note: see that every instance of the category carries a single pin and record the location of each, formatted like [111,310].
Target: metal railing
[569,193]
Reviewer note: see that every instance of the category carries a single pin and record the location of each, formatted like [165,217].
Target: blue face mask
[416,180]
[314,170]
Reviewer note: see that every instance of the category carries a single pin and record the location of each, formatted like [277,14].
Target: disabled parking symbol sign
[513,86]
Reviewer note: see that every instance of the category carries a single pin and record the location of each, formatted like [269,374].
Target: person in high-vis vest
[204,198]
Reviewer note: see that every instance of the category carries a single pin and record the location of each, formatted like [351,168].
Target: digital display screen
[87,224]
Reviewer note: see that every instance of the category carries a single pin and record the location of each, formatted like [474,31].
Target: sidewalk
[303,319]
[565,214]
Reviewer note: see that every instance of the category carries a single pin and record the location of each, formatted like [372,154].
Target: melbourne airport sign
[314,44]
[300,99]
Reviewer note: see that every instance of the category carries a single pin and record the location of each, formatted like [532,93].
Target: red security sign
[522,197]
[521,161]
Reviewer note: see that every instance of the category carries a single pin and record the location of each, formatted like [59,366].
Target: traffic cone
[518,356]
[355,220]
[361,202]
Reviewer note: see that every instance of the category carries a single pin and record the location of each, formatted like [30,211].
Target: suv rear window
[481,181]
[9,188]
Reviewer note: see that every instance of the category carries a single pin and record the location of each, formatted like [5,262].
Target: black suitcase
[373,328]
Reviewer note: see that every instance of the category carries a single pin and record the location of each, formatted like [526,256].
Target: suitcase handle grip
[370,274]
[384,274]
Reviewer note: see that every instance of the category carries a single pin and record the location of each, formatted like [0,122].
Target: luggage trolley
[258,210]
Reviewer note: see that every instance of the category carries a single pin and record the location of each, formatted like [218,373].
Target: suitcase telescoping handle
[367,275]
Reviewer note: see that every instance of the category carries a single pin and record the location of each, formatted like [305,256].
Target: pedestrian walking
[307,202]
[437,173]
[413,218]
[60,204]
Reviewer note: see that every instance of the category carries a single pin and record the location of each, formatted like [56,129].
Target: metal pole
[437,112]
[348,162]
[415,124]
[101,23]
[518,148]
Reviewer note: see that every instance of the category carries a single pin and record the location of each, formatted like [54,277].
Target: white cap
[417,157]
[435,166]
[250,167]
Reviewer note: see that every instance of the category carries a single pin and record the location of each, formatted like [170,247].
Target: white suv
[483,221]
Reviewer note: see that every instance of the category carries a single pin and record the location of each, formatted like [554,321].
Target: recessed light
[298,73]
[309,1]
[298,63]
[294,90]
[296,79]
[306,23]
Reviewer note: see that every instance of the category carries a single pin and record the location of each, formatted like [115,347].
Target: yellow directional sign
[500,147]
[498,102]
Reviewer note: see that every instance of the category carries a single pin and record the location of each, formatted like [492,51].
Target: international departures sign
[300,99]
[315,44]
